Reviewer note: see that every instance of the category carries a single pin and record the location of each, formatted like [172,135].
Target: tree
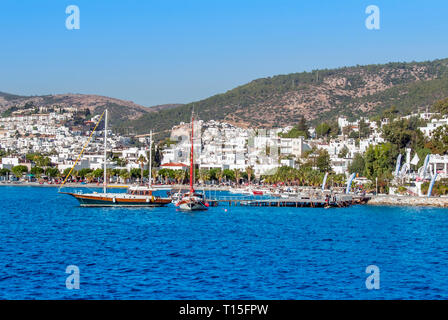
[52,172]
[229,174]
[66,172]
[83,172]
[219,175]
[205,175]
[404,133]
[135,173]
[98,173]
[346,130]
[19,170]
[379,161]
[4,172]
[323,130]
[391,113]
[237,174]
[364,129]
[344,152]
[142,161]
[154,174]
[125,175]
[439,140]
[357,165]
[323,162]
[300,130]
[441,106]
[250,172]
[180,176]
[37,171]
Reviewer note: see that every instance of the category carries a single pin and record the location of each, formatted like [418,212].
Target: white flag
[415,160]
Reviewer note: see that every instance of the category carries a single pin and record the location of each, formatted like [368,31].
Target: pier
[339,201]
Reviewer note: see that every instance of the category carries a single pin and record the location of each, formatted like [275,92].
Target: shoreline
[380,200]
[109,186]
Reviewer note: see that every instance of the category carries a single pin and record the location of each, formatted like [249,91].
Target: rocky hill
[120,110]
[318,95]
[280,100]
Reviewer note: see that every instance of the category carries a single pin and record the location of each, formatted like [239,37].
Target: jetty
[412,201]
[335,201]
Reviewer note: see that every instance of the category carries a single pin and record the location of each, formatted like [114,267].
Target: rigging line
[83,148]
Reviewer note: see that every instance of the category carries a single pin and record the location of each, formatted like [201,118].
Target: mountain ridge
[280,100]
[317,95]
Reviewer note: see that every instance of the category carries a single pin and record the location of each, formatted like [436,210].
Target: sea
[50,248]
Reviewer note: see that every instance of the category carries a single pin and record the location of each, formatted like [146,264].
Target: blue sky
[170,51]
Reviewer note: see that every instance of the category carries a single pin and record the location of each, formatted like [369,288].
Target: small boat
[257,192]
[192,200]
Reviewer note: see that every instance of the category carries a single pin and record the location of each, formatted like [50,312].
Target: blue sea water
[241,253]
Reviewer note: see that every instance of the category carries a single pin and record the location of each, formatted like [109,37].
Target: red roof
[173,164]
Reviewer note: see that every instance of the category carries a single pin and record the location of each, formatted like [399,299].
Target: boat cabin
[140,191]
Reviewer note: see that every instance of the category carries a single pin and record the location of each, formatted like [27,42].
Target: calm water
[244,253]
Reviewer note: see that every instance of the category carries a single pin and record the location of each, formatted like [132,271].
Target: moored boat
[139,196]
[136,196]
[192,200]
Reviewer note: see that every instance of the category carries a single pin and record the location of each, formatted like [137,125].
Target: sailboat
[136,196]
[192,201]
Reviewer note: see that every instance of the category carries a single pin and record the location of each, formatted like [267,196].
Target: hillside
[277,101]
[318,95]
[120,110]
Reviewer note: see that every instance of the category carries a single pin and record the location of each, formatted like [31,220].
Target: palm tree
[89,177]
[154,173]
[237,173]
[180,176]
[125,175]
[204,175]
[142,161]
[219,175]
[250,172]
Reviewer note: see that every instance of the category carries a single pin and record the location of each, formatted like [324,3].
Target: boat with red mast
[192,201]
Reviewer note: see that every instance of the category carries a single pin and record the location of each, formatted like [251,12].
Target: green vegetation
[19,170]
[439,142]
[440,188]
[406,92]
[303,176]
[300,130]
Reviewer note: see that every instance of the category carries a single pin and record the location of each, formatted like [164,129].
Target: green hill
[317,95]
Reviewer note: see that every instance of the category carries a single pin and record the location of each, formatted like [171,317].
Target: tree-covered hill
[317,95]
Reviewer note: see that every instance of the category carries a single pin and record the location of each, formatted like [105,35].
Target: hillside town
[42,143]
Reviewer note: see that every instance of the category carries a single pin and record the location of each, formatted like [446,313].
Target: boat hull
[107,201]
[192,205]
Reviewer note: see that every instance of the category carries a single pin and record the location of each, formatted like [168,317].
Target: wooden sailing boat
[192,201]
[136,196]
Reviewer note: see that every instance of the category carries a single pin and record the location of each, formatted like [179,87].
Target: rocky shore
[409,201]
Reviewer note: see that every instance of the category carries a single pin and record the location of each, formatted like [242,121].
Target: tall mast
[150,158]
[191,155]
[105,153]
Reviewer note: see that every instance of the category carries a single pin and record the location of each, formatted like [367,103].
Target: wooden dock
[335,202]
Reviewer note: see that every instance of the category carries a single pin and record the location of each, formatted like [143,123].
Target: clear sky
[178,51]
